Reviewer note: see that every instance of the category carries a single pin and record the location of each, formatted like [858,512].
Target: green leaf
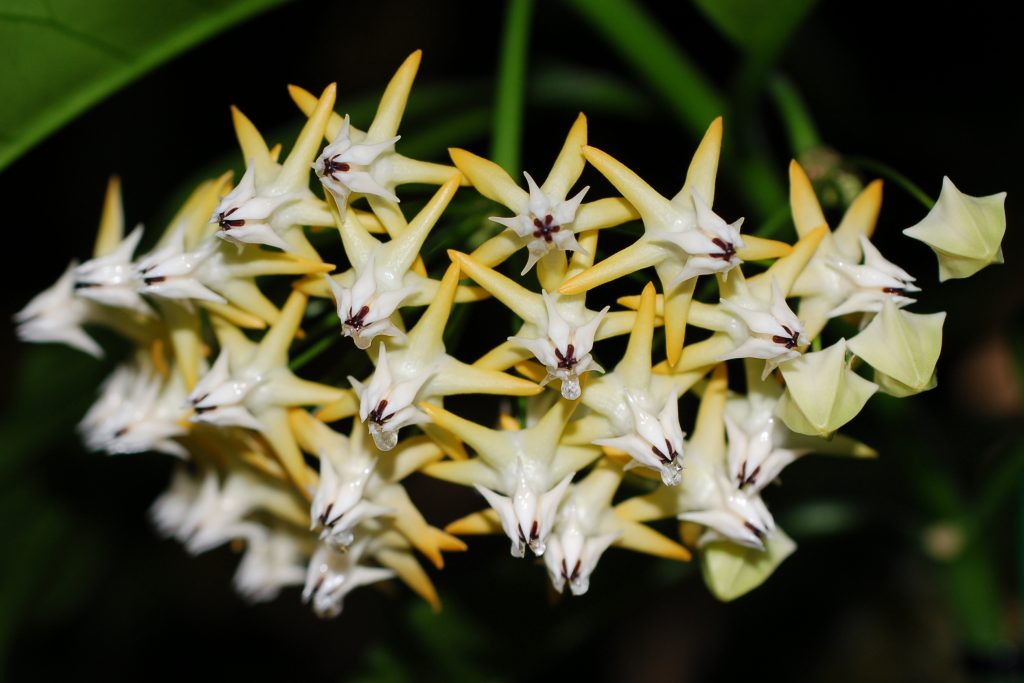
[61,57]
[757,27]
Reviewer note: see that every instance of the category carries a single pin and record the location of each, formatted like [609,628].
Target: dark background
[89,590]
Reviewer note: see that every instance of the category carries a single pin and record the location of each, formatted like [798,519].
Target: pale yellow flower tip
[643,539]
[903,346]
[489,179]
[758,248]
[703,169]
[807,214]
[111,230]
[346,406]
[483,523]
[822,392]
[731,570]
[965,232]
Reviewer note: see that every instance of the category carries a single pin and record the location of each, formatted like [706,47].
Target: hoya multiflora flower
[211,382]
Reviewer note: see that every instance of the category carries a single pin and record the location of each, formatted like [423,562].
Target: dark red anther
[546,228]
[332,166]
[226,223]
[568,360]
[789,342]
[728,250]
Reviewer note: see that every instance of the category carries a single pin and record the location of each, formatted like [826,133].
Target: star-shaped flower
[358,163]
[273,560]
[112,279]
[419,369]
[682,237]
[57,315]
[965,232]
[546,219]
[357,483]
[523,475]
[273,201]
[333,574]
[138,410]
[558,330]
[251,386]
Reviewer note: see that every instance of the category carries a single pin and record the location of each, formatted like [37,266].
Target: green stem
[508,108]
[895,176]
[313,352]
[803,134]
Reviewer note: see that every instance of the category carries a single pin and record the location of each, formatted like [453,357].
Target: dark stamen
[728,250]
[359,319]
[226,224]
[567,361]
[154,280]
[534,531]
[894,290]
[754,530]
[546,228]
[377,414]
[332,166]
[789,342]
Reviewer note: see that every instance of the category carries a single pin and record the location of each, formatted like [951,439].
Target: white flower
[245,217]
[112,279]
[57,315]
[365,308]
[138,410]
[564,348]
[769,331]
[221,399]
[547,220]
[272,560]
[654,442]
[389,400]
[576,545]
[173,273]
[528,515]
[872,283]
[965,232]
[339,504]
[171,511]
[332,575]
[346,167]
[709,243]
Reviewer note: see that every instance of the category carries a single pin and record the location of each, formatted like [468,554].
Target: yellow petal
[455,377]
[787,269]
[345,406]
[643,539]
[273,348]
[651,206]
[294,173]
[405,566]
[700,176]
[408,170]
[279,435]
[483,523]
[659,504]
[569,164]
[111,230]
[524,303]
[490,180]
[759,249]
[403,249]
[807,214]
[604,213]
[635,366]
[859,219]
[254,147]
[505,355]
[425,339]
[637,256]
[392,103]
[677,309]
[498,248]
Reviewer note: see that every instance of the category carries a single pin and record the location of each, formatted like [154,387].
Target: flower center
[660,455]
[789,342]
[568,360]
[728,249]
[377,414]
[743,479]
[332,166]
[227,223]
[357,321]
[546,228]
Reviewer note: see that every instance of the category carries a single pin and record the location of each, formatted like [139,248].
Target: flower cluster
[599,449]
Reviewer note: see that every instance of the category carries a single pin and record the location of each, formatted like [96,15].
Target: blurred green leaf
[61,57]
[759,28]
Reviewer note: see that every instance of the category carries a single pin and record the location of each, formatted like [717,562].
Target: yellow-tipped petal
[587,430]
[650,205]
[507,423]
[489,179]
[787,269]
[584,258]
[659,504]
[604,213]
[758,248]
[524,303]
[503,356]
[411,455]
[455,377]
[425,339]
[531,370]
[345,406]
[465,472]
[425,172]
[483,523]
[548,430]
[635,366]
[446,441]
[677,309]
[279,434]
[293,391]
[731,570]
[186,341]
[643,539]
[370,221]
[860,219]
[700,176]
[637,256]
[709,430]
[571,459]
[245,296]
[405,566]
[392,102]
[313,287]
[312,435]
[618,323]
[254,147]
[273,348]
[403,249]
[807,214]
[111,230]
[498,248]
[356,240]
[295,170]
[569,164]
[389,213]
[480,438]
